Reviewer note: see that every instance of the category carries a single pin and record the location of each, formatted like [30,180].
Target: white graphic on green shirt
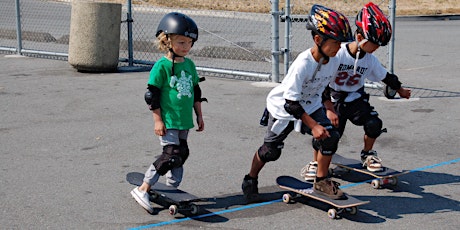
[182,84]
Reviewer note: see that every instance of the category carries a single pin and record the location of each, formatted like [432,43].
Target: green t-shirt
[177,94]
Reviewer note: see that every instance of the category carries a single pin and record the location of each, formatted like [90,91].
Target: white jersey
[300,85]
[368,67]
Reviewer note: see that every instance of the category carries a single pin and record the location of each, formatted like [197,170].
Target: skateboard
[384,177]
[301,188]
[177,200]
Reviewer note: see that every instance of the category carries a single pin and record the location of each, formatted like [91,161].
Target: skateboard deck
[386,176]
[350,204]
[178,200]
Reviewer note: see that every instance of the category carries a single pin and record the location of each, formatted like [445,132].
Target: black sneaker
[250,190]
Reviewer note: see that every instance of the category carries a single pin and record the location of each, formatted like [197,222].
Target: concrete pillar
[94,40]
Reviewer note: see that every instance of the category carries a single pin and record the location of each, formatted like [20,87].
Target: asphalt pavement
[68,139]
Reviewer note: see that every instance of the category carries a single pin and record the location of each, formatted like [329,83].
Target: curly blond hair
[163,41]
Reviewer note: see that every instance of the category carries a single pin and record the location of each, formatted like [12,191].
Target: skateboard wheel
[352,210]
[389,92]
[375,184]
[332,213]
[287,198]
[173,210]
[194,209]
[154,195]
[394,181]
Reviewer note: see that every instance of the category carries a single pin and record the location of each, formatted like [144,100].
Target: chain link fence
[233,44]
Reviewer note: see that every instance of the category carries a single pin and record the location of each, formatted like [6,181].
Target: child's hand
[333,118]
[404,92]
[319,132]
[200,122]
[160,129]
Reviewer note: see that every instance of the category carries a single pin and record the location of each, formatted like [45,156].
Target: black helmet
[329,23]
[177,23]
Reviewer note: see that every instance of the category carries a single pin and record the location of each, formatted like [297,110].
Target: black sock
[247,177]
[318,179]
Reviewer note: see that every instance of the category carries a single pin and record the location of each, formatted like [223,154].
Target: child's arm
[159,129]
[394,83]
[294,108]
[197,107]
[199,116]
[330,113]
[152,98]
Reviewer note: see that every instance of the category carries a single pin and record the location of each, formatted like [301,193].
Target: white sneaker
[309,171]
[372,162]
[142,198]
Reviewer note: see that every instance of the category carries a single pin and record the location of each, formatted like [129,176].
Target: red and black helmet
[374,24]
[329,23]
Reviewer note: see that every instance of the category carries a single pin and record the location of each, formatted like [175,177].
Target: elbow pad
[152,97]
[197,94]
[392,81]
[294,108]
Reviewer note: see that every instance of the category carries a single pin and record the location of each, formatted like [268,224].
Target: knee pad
[184,151]
[373,127]
[169,159]
[329,145]
[270,151]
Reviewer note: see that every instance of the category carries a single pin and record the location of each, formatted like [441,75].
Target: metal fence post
[287,36]
[391,48]
[18,27]
[275,40]
[129,20]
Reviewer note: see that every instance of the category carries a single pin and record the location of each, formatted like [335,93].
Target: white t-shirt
[368,67]
[300,85]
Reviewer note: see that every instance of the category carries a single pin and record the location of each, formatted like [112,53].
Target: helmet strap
[173,59]
[355,67]
[318,67]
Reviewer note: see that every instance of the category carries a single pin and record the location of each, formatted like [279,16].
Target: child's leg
[174,176]
[368,143]
[151,177]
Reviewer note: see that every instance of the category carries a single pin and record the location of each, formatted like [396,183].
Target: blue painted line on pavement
[274,201]
[206,215]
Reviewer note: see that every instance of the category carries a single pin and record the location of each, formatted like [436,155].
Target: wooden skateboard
[178,200]
[384,177]
[301,188]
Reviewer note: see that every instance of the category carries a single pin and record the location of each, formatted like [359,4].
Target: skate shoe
[329,188]
[142,198]
[371,161]
[309,171]
[250,190]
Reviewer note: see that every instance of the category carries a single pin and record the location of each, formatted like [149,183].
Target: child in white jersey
[356,64]
[296,102]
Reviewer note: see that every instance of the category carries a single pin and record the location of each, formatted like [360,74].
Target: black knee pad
[270,151]
[184,151]
[169,159]
[328,146]
[373,127]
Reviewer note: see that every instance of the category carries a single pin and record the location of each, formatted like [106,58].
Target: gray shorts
[172,137]
[271,137]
